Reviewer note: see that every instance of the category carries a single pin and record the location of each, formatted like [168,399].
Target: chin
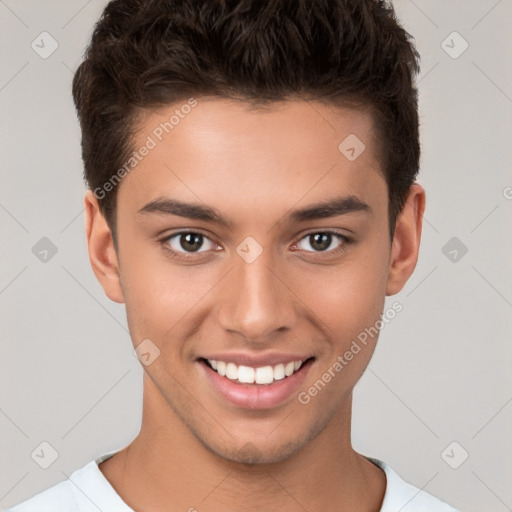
[266,451]
[251,454]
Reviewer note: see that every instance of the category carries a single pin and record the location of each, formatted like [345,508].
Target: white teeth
[264,375]
[232,371]
[246,374]
[288,369]
[221,367]
[249,375]
[279,372]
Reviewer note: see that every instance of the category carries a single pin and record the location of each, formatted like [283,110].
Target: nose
[256,301]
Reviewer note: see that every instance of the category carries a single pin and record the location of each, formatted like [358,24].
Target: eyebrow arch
[329,208]
[169,206]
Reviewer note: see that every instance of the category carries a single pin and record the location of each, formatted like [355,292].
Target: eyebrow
[323,210]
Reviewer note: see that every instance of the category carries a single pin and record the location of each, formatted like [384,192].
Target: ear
[102,254]
[406,241]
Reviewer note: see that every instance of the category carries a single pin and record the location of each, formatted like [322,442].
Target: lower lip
[256,396]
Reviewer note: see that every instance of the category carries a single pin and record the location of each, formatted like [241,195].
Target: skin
[194,448]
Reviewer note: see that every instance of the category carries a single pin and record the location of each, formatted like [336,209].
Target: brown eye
[187,242]
[190,241]
[322,241]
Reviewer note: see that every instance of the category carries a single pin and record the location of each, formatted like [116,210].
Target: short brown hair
[150,53]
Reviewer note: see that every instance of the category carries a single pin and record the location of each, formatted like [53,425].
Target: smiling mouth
[263,375]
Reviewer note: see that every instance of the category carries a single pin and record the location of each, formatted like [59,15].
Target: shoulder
[58,497]
[86,490]
[403,496]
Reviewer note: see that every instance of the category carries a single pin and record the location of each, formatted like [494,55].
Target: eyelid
[328,231]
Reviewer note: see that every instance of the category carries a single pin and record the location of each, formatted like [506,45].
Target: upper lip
[256,360]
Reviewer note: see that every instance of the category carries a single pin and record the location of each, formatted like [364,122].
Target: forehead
[229,152]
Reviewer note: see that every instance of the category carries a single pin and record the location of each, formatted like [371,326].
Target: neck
[166,466]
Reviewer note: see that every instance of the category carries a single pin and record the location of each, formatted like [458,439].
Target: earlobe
[102,254]
[406,242]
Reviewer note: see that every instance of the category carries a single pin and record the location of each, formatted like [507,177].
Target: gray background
[442,371]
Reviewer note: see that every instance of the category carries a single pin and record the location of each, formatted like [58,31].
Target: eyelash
[187,256]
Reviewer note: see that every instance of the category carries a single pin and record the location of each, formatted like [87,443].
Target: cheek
[160,296]
[349,297]
[349,305]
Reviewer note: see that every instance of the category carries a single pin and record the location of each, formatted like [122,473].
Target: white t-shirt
[87,490]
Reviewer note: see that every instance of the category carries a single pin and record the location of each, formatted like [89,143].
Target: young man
[252,201]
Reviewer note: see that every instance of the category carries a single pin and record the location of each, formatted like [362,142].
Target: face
[247,241]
